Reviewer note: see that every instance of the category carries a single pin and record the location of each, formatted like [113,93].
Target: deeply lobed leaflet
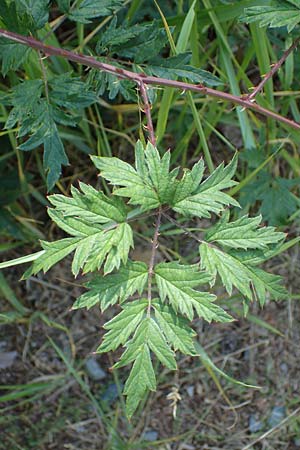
[102,237]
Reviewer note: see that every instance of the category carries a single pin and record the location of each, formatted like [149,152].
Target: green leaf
[149,333]
[38,10]
[120,173]
[74,226]
[89,205]
[208,197]
[23,17]
[148,336]
[278,14]
[108,247]
[152,183]
[264,283]
[243,233]
[236,269]
[176,281]
[54,152]
[12,55]
[64,5]
[141,379]
[142,50]
[231,271]
[161,178]
[38,119]
[277,202]
[175,328]
[71,93]
[189,182]
[90,9]
[115,287]
[176,66]
[108,83]
[25,99]
[93,247]
[54,252]
[115,37]
[123,325]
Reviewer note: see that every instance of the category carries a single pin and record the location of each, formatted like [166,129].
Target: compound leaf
[114,287]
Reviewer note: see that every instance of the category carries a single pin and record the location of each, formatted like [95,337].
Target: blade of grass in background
[180,47]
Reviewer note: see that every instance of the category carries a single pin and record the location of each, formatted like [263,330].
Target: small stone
[277,415]
[284,368]
[111,393]
[94,370]
[255,425]
[190,390]
[150,435]
[297,442]
[7,359]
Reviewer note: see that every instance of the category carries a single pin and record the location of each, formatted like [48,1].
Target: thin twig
[178,225]
[152,259]
[146,79]
[147,111]
[275,68]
